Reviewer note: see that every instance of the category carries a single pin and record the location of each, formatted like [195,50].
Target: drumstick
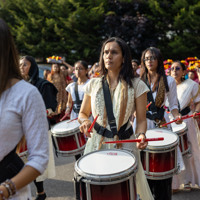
[184,117]
[64,117]
[89,130]
[136,140]
[72,120]
[148,105]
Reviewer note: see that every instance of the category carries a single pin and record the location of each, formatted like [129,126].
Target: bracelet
[83,120]
[2,195]
[10,186]
[138,134]
[7,188]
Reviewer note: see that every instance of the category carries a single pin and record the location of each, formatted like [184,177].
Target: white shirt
[81,90]
[22,112]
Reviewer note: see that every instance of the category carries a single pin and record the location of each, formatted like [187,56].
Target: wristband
[138,134]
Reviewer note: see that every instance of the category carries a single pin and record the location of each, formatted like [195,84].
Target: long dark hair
[160,68]
[126,72]
[9,59]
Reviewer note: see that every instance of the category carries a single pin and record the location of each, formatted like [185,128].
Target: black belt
[10,166]
[185,111]
[122,133]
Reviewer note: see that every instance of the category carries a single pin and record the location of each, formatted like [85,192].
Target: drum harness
[157,113]
[77,103]
[122,133]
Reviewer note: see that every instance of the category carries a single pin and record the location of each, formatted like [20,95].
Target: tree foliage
[177,23]
[45,27]
[75,28]
[127,21]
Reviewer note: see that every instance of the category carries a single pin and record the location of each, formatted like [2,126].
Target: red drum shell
[67,138]
[181,130]
[159,159]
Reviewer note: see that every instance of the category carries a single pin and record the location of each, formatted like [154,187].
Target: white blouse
[71,89]
[22,112]
[186,91]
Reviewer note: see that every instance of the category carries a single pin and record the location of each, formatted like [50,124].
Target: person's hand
[85,126]
[67,111]
[5,192]
[49,112]
[142,145]
[195,115]
[179,119]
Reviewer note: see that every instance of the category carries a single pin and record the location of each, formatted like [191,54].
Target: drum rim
[131,171]
[169,146]
[184,130]
[57,133]
[181,131]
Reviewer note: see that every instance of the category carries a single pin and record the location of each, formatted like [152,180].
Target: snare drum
[159,159]
[67,138]
[181,131]
[107,175]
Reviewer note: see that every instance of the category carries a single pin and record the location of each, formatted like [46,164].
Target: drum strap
[109,107]
[156,112]
[184,111]
[123,133]
[10,165]
[77,102]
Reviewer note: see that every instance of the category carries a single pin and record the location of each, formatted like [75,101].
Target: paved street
[61,187]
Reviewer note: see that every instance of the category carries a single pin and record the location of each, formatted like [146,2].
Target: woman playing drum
[76,92]
[127,94]
[188,90]
[161,87]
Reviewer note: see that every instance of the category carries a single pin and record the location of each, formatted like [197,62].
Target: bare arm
[69,104]
[141,122]
[70,68]
[84,115]
[177,115]
[23,178]
[196,110]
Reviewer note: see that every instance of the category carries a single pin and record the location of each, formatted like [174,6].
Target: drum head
[178,128]
[65,127]
[106,165]
[170,138]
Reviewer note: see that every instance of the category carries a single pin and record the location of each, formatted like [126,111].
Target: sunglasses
[175,68]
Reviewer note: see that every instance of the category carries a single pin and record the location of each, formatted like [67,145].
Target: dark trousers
[39,186]
[161,189]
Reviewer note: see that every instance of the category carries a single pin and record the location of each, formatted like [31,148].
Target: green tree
[126,20]
[177,23]
[57,27]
